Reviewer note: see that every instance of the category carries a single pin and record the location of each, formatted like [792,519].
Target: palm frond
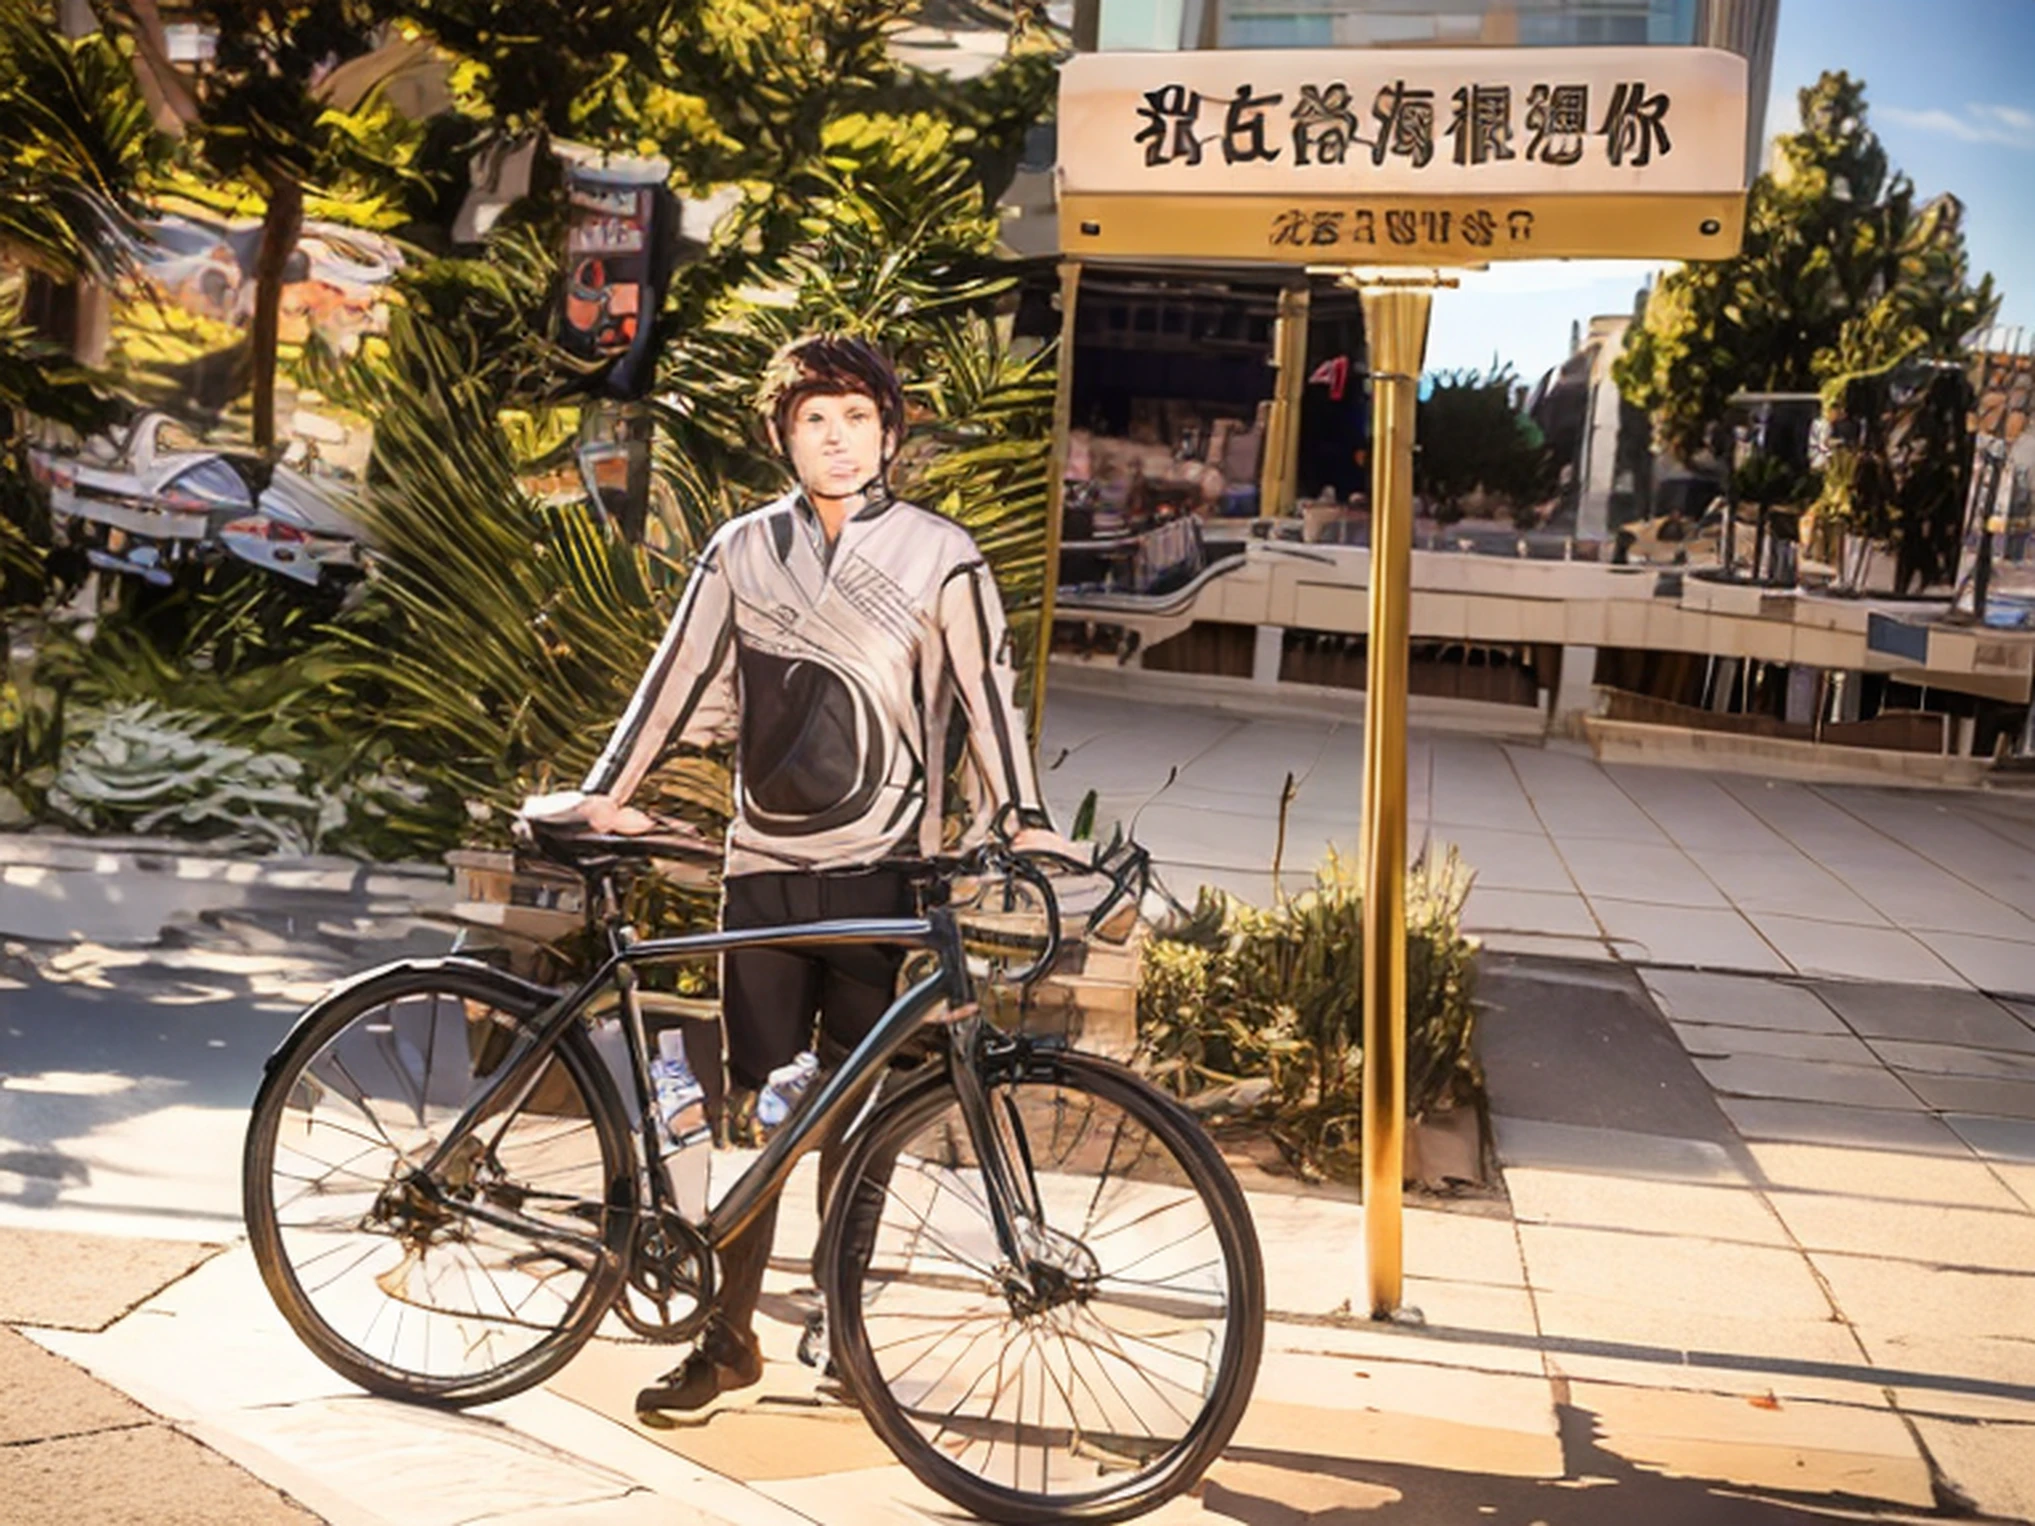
[75,142]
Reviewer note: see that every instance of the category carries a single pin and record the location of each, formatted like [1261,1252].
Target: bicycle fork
[1041,1268]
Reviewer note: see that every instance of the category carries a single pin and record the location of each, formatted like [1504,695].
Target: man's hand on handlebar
[597,813]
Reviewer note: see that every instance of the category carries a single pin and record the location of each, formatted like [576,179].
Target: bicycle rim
[1111,1381]
[403,1294]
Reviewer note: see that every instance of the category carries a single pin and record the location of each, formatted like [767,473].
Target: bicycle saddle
[577,844]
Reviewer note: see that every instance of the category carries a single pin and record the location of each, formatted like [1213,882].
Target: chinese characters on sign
[1322,124]
[1322,228]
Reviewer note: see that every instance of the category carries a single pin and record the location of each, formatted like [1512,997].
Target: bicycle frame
[767,1175]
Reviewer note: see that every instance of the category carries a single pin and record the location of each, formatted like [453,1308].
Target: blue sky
[1950,89]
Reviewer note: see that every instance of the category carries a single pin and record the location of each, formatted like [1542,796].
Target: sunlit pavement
[1769,1248]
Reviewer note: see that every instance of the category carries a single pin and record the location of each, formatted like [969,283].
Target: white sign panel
[1404,122]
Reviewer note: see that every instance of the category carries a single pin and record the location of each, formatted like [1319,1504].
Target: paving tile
[1976,1377]
[1965,1094]
[1699,996]
[1313,1368]
[1542,913]
[1687,1273]
[1592,1200]
[1992,1465]
[1804,817]
[1929,1016]
[1849,951]
[1880,1173]
[1692,809]
[1509,860]
[1457,808]
[1574,799]
[1927,900]
[1187,835]
[1991,964]
[1461,1308]
[1257,750]
[1995,1239]
[1869,1128]
[1806,1447]
[876,1496]
[102,1277]
[1314,1435]
[42,1395]
[1314,1255]
[1643,1340]
[1574,817]
[1905,1295]
[2019,1178]
[1807,1081]
[1714,1041]
[1955,1060]
[1686,935]
[1547,946]
[1655,872]
[149,1474]
[1994,1138]
[1536,1144]
[1781,879]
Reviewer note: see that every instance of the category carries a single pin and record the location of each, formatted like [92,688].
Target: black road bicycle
[1042,1282]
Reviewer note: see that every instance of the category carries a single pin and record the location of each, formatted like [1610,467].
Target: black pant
[770,999]
[770,996]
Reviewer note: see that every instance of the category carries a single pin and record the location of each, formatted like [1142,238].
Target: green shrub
[1260,1009]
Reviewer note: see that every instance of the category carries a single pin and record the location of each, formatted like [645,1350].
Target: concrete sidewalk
[74,1448]
[1755,1293]
[1581,860]
[1767,1251]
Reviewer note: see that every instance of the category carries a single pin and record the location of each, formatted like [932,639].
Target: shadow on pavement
[1599,1488]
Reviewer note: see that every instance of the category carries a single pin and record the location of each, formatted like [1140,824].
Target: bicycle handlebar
[1126,868]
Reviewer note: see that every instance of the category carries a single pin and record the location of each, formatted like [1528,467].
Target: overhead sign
[1369,155]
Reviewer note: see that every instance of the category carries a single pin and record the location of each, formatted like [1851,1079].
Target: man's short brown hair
[828,365]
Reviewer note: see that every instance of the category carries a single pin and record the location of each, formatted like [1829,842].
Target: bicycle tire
[855,1225]
[566,1137]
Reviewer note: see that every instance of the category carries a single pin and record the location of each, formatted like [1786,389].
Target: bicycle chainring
[670,1291]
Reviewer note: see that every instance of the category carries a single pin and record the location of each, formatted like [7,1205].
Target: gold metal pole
[1282,422]
[1395,333]
[1056,491]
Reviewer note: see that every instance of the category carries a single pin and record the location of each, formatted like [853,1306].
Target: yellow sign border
[1401,230]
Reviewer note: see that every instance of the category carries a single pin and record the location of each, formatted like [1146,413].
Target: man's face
[836,444]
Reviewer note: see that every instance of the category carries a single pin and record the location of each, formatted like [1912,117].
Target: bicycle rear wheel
[1111,1373]
[417,1294]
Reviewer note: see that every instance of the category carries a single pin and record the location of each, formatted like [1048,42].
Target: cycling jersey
[835,670]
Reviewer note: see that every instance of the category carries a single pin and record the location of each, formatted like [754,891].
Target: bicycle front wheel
[486,1280]
[1100,1373]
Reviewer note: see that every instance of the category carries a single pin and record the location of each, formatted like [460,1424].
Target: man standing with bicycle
[832,636]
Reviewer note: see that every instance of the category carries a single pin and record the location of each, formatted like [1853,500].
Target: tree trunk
[280,226]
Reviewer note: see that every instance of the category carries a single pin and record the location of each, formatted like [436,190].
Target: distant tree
[263,111]
[1471,436]
[76,148]
[1840,272]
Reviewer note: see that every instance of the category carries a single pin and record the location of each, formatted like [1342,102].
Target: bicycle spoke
[1096,1371]
[360,1100]
[1102,1176]
[428,1296]
[1093,1234]
[1160,1250]
[939,1244]
[350,1267]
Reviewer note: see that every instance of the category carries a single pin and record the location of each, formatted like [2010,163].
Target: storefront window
[1141,26]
